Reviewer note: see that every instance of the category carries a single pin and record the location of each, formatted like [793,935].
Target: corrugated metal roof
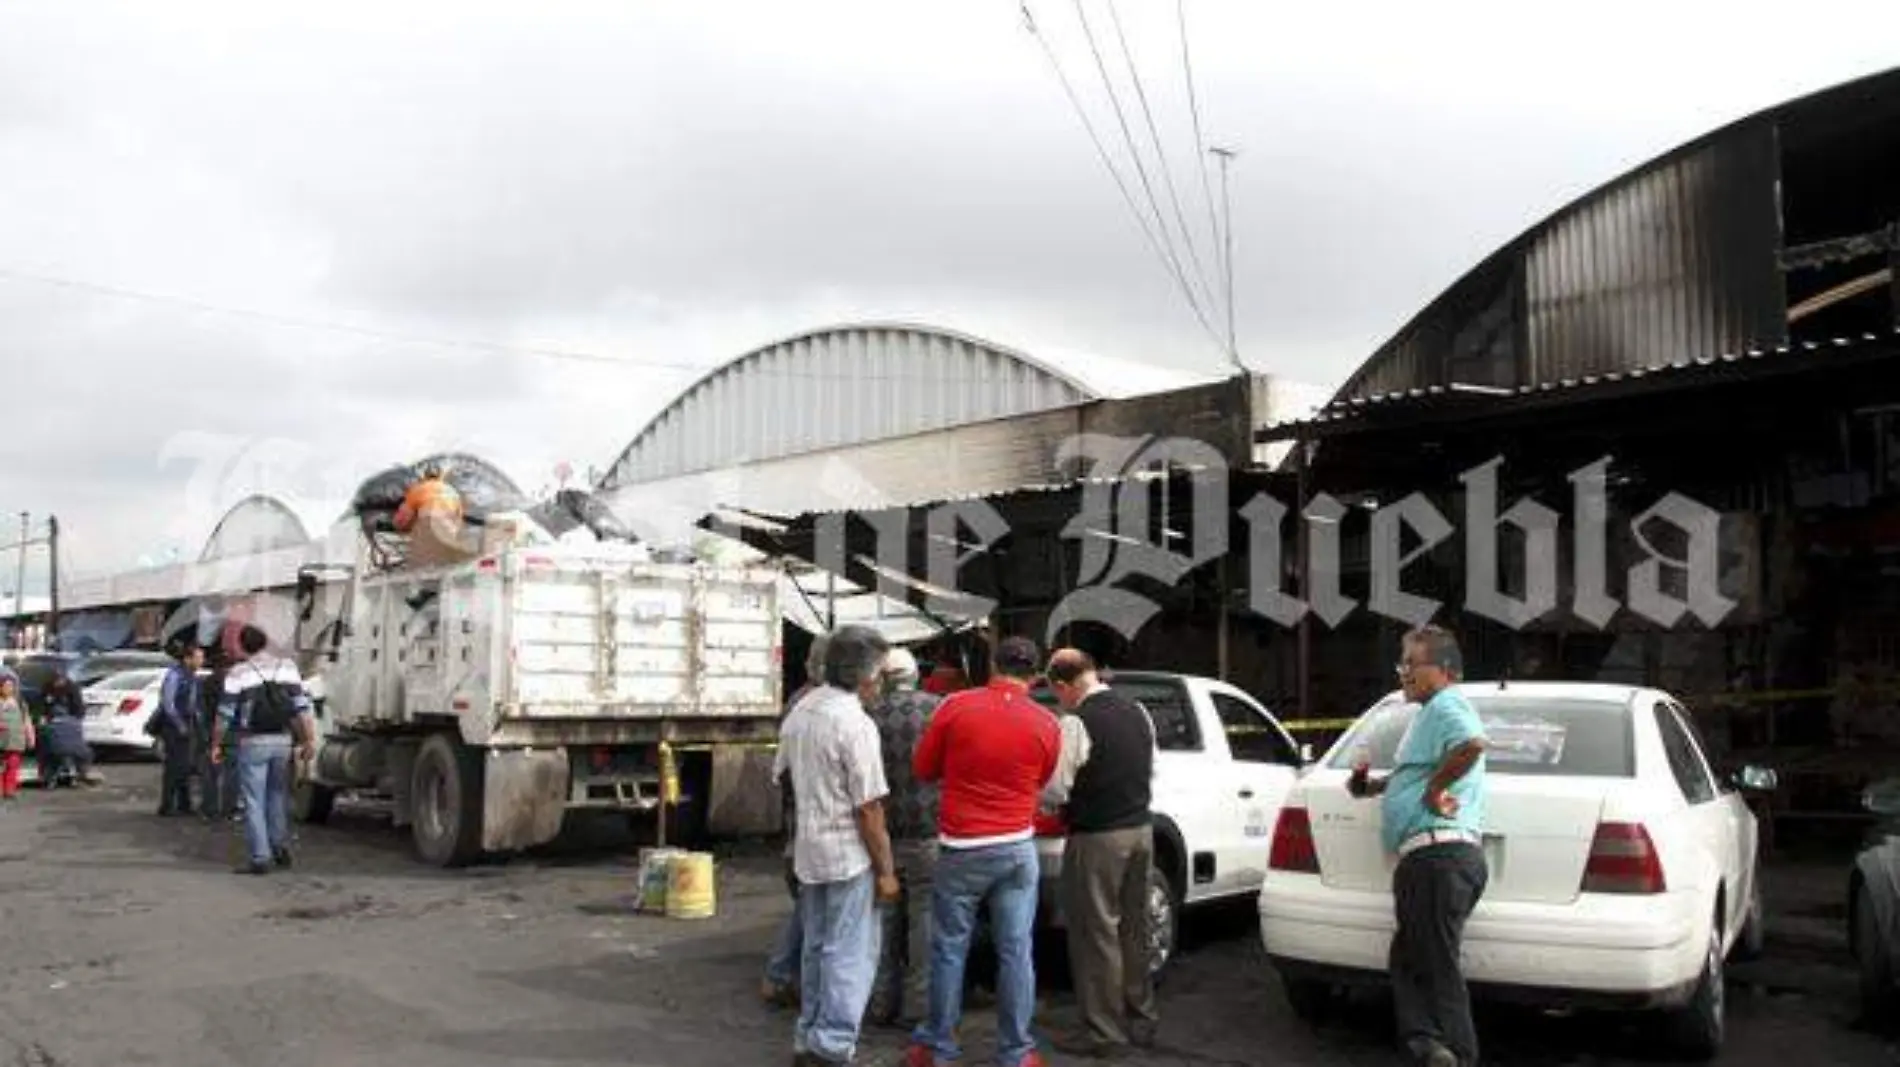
[851,384]
[1681,254]
[1346,410]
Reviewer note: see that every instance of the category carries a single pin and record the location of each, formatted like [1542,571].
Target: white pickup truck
[1224,767]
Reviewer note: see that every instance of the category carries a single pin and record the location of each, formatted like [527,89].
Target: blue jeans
[1007,876]
[783,968]
[840,963]
[264,778]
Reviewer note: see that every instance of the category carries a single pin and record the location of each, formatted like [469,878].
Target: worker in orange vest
[431,514]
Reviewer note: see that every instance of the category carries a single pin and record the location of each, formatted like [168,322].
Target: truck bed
[594,633]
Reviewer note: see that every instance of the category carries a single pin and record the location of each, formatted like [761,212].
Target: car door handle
[1246,794]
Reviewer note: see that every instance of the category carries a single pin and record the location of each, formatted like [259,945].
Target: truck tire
[311,803]
[447,802]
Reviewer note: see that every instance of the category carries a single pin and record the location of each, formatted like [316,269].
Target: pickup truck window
[1167,704]
[1250,736]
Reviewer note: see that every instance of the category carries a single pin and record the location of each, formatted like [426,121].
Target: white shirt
[1076,746]
[831,749]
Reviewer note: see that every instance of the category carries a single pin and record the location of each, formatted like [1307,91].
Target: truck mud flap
[523,798]
[744,802]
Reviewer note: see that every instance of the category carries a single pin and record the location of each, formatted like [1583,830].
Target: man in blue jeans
[266,708]
[993,750]
[841,851]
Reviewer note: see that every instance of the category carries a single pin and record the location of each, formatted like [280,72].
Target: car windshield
[1529,735]
[126,680]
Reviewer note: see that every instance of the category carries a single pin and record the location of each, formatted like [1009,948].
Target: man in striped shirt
[266,708]
[841,850]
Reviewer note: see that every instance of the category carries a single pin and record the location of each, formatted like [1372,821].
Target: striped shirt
[244,688]
[831,750]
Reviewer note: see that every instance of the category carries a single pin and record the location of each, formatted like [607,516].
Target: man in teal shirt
[1433,816]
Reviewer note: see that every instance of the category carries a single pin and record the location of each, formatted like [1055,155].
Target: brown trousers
[1105,902]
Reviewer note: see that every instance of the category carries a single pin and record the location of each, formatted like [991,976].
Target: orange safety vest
[430,496]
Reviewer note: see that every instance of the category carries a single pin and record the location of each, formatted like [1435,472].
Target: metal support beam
[1302,451]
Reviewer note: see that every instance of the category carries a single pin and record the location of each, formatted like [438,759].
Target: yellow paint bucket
[689,895]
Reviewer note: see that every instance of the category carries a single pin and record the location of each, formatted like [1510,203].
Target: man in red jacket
[992,750]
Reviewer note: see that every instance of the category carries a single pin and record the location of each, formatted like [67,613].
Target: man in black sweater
[1103,781]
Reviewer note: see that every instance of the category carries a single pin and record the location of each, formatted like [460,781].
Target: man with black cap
[992,750]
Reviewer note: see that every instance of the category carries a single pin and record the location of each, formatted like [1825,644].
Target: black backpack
[272,709]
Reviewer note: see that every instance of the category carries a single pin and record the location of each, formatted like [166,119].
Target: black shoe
[255,868]
[281,857]
[1142,1035]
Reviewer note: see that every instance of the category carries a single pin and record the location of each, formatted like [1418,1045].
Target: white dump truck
[486,700]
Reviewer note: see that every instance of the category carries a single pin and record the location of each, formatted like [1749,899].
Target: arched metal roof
[1708,250]
[258,523]
[836,386]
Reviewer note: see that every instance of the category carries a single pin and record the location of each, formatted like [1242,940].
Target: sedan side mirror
[1752,779]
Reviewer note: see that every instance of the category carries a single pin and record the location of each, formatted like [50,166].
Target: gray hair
[1440,648]
[854,656]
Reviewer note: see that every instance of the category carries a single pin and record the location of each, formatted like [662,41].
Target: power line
[1200,156]
[926,375]
[1108,162]
[1161,154]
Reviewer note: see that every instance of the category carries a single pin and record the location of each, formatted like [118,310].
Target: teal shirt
[1445,722]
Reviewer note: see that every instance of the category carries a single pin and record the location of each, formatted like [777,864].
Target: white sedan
[118,707]
[1622,867]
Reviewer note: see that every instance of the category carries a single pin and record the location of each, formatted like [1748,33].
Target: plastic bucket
[690,893]
[656,878]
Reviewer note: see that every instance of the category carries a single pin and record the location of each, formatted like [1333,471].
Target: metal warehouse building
[1721,323]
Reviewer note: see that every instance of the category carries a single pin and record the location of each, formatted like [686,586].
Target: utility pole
[1226,157]
[52,579]
[19,584]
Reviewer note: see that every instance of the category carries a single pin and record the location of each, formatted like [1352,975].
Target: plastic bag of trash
[572,509]
[483,488]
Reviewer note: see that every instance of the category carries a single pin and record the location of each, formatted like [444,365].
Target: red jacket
[992,749]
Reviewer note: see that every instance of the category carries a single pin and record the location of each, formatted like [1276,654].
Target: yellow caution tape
[1298,725]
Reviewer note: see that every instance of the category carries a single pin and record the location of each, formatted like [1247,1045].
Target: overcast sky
[669,185]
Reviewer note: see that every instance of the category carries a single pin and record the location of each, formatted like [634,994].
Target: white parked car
[1623,869]
[118,707]
[1223,767]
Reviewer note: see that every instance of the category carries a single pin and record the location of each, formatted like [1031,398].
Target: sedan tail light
[130,705]
[1623,859]
[1293,848]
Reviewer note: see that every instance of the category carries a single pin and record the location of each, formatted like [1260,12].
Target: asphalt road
[126,939]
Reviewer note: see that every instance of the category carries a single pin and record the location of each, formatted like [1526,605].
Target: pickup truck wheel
[1696,1029]
[1164,921]
[447,796]
[311,803]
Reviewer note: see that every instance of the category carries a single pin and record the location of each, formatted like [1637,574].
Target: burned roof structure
[1766,247]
